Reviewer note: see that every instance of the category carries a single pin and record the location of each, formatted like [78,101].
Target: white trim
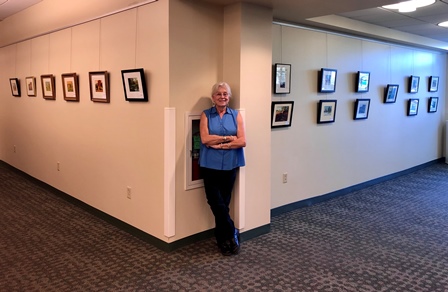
[169,173]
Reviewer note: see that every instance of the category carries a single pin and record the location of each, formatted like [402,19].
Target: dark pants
[218,186]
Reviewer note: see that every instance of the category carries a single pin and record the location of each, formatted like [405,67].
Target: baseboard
[168,247]
[160,244]
[328,196]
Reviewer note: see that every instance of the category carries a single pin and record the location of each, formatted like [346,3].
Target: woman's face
[221,97]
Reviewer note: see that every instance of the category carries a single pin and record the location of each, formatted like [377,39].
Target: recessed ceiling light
[444,24]
[409,6]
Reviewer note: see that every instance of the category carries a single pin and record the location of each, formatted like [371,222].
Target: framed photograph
[134,84]
[432,104]
[99,86]
[70,86]
[391,92]
[326,111]
[433,85]
[15,86]
[31,85]
[362,81]
[413,84]
[282,78]
[281,113]
[327,80]
[48,86]
[361,109]
[413,106]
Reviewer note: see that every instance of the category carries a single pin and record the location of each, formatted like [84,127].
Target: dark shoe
[235,243]
[225,248]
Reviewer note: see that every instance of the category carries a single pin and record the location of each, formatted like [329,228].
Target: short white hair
[221,84]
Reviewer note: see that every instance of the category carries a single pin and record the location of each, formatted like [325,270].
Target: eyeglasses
[225,94]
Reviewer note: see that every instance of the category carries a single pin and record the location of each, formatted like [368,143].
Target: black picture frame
[362,107]
[433,102]
[413,106]
[433,85]
[134,84]
[391,93]
[414,82]
[15,86]
[281,113]
[282,78]
[362,81]
[326,111]
[327,80]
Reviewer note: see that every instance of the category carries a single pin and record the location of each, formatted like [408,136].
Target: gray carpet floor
[392,236]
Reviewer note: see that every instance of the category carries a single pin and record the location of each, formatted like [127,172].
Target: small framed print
[361,109]
[48,86]
[70,86]
[414,81]
[327,80]
[433,85]
[326,111]
[281,113]
[363,80]
[15,86]
[413,106]
[134,85]
[99,86]
[391,92]
[432,104]
[31,85]
[282,78]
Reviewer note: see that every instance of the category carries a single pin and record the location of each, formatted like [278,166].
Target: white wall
[101,148]
[321,158]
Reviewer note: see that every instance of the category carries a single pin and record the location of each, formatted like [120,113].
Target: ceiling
[422,22]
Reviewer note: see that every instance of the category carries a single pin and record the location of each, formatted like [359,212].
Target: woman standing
[221,154]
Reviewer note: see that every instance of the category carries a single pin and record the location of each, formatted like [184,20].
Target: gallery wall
[99,152]
[323,158]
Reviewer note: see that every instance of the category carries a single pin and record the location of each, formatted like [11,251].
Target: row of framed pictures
[281,111]
[327,80]
[134,86]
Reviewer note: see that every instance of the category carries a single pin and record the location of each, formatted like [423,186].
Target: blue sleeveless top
[227,159]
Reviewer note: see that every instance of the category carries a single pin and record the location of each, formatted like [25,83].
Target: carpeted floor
[392,236]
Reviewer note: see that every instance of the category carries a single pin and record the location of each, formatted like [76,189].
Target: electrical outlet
[285,177]
[129,193]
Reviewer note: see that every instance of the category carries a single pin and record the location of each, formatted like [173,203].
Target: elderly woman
[221,154]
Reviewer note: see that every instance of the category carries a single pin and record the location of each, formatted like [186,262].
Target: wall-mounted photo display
[70,86]
[414,82]
[48,86]
[413,106]
[433,85]
[15,86]
[282,78]
[134,84]
[362,81]
[362,106]
[281,113]
[30,85]
[432,104]
[327,80]
[99,86]
[326,111]
[390,93]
